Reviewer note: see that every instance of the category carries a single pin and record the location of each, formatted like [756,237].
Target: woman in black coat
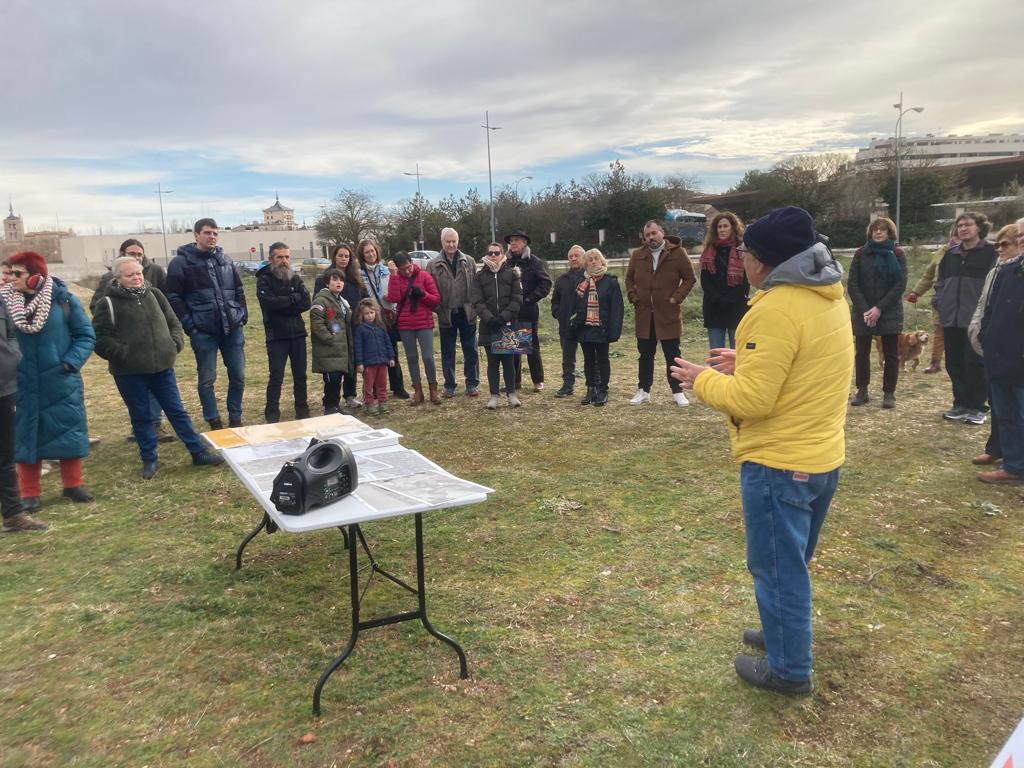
[497,297]
[723,280]
[342,259]
[878,277]
[597,323]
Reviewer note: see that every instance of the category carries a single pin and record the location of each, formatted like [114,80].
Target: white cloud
[322,95]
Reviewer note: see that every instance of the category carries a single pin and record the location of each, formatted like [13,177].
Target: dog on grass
[908,349]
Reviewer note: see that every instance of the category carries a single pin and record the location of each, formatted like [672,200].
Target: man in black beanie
[784,391]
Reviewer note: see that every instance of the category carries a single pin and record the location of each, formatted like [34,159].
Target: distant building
[14,227]
[278,216]
[46,244]
[944,150]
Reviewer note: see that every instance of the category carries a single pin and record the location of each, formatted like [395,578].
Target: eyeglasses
[1005,244]
[19,272]
[494,253]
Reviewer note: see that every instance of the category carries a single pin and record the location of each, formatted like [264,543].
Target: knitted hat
[32,261]
[780,235]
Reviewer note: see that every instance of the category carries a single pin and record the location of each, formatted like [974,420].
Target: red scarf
[734,273]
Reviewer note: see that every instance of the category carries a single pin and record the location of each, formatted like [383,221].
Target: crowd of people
[779,362]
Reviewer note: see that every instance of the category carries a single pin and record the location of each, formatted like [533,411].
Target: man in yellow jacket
[784,393]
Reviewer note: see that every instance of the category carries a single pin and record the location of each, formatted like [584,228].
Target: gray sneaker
[514,401]
[973,417]
[956,413]
[493,402]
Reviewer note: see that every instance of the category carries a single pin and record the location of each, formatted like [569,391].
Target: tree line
[840,196]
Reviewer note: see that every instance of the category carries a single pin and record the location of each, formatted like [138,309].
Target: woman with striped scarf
[597,323]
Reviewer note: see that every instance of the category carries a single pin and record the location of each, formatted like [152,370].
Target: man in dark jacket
[284,301]
[563,299]
[960,278]
[536,285]
[206,293]
[15,518]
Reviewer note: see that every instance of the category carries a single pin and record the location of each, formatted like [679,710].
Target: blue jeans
[466,331]
[136,389]
[1008,409]
[232,351]
[716,338]
[783,516]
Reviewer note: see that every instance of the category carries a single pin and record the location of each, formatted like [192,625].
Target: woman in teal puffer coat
[56,339]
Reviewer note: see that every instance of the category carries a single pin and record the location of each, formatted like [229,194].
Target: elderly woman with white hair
[139,336]
[597,323]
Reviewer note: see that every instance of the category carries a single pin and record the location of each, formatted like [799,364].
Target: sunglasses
[1005,244]
[494,253]
[19,272]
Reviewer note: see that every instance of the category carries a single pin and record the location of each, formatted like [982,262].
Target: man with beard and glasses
[284,301]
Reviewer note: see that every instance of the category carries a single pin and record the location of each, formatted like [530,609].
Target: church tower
[14,227]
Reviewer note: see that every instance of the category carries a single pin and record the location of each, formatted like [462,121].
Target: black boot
[861,397]
[601,397]
[589,397]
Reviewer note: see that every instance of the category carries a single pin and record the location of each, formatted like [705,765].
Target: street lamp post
[490,182]
[515,186]
[419,200]
[899,160]
[163,230]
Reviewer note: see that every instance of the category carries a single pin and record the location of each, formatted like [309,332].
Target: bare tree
[353,216]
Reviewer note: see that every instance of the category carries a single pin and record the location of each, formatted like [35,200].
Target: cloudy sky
[226,102]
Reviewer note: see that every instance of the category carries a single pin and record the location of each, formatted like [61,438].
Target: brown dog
[908,349]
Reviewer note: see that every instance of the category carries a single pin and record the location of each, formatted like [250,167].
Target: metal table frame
[353,538]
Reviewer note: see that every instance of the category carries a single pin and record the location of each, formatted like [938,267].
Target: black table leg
[353,575]
[422,595]
[354,538]
[264,523]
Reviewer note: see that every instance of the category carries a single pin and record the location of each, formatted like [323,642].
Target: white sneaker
[640,397]
[353,402]
[513,400]
[493,402]
[680,399]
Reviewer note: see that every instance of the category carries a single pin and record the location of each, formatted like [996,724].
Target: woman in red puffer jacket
[415,295]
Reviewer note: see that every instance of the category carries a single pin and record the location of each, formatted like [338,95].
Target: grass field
[599,594]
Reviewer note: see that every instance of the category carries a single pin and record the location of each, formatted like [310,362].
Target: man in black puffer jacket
[284,301]
[206,293]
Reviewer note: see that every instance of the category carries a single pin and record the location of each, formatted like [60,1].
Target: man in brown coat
[658,278]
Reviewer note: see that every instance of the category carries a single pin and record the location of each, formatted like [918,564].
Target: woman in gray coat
[878,277]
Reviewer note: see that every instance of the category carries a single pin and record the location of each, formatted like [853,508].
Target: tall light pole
[490,183]
[515,186]
[899,160]
[419,200]
[160,192]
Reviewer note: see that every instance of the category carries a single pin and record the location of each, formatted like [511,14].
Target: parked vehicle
[420,258]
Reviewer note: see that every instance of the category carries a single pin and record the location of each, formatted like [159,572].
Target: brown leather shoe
[435,398]
[999,476]
[933,367]
[985,459]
